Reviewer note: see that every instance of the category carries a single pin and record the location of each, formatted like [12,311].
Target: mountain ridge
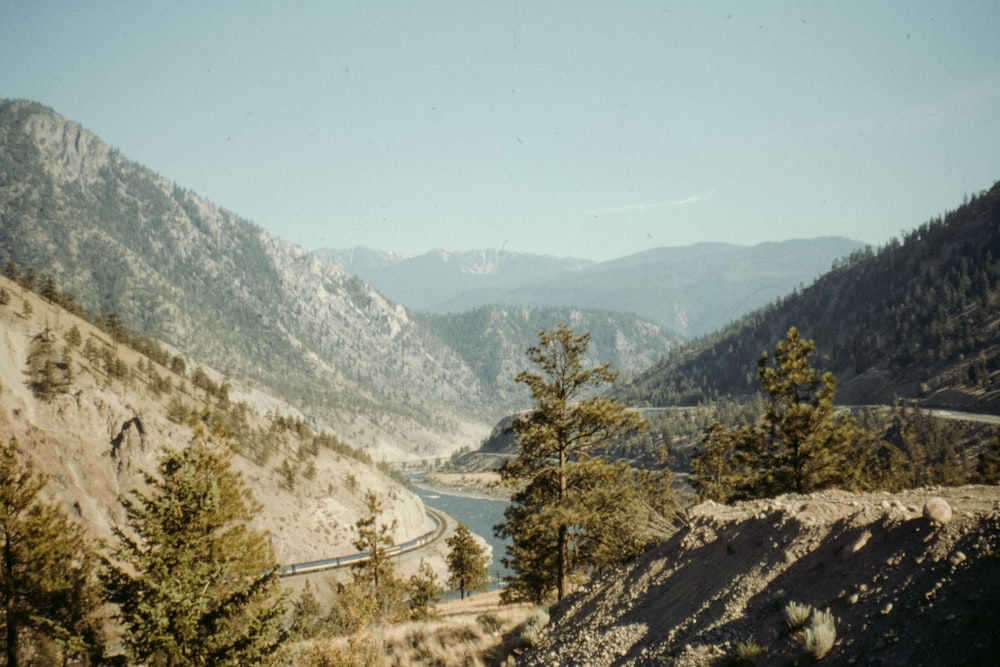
[692,289]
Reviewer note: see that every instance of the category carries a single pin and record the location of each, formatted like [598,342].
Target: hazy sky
[589,129]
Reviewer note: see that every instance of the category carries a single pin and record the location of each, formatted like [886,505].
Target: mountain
[692,290]
[917,319]
[492,341]
[177,268]
[432,281]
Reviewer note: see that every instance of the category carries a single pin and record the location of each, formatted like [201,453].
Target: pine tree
[712,473]
[48,588]
[467,562]
[804,445]
[569,425]
[424,592]
[376,575]
[307,614]
[193,583]
[801,445]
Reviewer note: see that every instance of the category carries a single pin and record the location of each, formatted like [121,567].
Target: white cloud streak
[650,206]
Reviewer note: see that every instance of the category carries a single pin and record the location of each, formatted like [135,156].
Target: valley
[139,318]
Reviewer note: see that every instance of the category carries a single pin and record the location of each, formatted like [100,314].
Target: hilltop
[904,590]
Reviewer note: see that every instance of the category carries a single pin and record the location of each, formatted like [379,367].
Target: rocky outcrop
[904,589]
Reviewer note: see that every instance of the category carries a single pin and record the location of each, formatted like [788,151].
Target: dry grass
[474,632]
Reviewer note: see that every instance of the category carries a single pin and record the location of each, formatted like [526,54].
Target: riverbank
[479,485]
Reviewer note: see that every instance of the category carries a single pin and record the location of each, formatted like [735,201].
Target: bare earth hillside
[904,590]
[95,440]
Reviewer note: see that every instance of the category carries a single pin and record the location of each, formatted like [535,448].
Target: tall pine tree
[559,443]
[467,562]
[193,583]
[376,575]
[802,443]
[48,587]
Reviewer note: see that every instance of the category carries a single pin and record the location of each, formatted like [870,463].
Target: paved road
[957,415]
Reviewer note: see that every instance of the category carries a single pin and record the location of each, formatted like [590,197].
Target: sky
[583,129]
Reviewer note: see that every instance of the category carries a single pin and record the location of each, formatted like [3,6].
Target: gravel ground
[904,589]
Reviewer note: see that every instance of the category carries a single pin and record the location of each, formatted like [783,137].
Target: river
[479,515]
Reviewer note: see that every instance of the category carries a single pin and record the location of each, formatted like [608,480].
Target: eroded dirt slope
[904,590]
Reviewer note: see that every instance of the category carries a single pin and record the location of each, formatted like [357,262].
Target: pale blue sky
[589,129]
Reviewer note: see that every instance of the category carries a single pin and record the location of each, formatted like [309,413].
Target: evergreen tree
[801,445]
[712,474]
[194,584]
[377,574]
[467,562]
[48,589]
[988,466]
[424,592]
[568,426]
[74,337]
[307,614]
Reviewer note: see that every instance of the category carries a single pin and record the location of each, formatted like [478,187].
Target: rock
[937,510]
[858,544]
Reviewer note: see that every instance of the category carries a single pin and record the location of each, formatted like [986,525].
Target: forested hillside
[178,268]
[917,318]
[92,409]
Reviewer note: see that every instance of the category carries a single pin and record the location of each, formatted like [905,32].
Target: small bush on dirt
[531,629]
[821,634]
[748,651]
[796,614]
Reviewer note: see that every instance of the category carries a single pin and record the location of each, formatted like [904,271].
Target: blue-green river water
[479,515]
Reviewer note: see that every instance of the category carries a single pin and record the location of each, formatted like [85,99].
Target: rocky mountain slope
[180,269]
[95,438]
[691,290]
[492,340]
[909,581]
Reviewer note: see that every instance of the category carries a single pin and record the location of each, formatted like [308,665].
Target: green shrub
[821,634]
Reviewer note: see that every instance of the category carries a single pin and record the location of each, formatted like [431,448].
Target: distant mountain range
[692,290]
